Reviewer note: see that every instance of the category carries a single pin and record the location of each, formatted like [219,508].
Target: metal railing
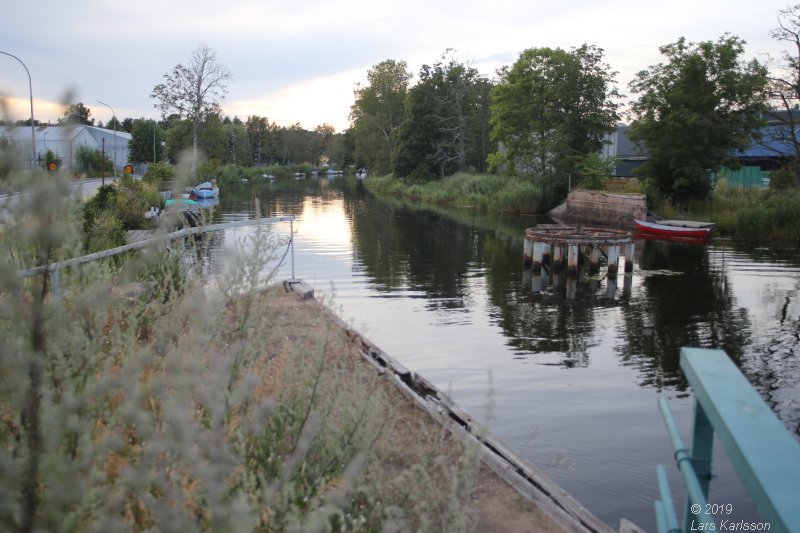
[763,452]
[53,269]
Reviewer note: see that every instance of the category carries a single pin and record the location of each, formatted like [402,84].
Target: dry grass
[412,439]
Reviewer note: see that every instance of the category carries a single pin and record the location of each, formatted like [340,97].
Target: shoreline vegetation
[139,398]
[750,214]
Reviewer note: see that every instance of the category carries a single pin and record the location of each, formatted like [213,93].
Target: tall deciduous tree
[442,110]
[551,110]
[377,112]
[694,111]
[784,88]
[77,114]
[145,144]
[194,91]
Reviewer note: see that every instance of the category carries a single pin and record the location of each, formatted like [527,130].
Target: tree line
[547,116]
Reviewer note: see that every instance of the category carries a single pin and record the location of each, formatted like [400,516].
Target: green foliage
[194,91]
[592,170]
[376,114]
[132,199]
[694,111]
[138,400]
[551,109]
[77,114]
[786,177]
[102,229]
[9,157]
[91,162]
[145,144]
[483,191]
[104,232]
[158,173]
[446,121]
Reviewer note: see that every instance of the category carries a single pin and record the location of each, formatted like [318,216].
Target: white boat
[206,189]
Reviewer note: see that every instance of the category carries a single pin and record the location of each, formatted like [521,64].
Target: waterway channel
[569,384]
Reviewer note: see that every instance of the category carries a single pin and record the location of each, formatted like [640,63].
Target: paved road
[87,188]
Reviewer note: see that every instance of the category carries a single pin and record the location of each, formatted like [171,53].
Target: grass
[489,192]
[754,214]
[137,400]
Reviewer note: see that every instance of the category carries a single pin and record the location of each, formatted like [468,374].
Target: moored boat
[676,228]
[207,189]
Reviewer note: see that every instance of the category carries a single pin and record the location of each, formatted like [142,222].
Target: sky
[299,60]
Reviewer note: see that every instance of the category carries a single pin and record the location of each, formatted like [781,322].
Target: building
[629,156]
[65,141]
[773,147]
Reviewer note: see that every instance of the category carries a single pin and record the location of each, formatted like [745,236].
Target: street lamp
[30,91]
[115,135]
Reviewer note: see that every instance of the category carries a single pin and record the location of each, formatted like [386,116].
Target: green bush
[158,173]
[90,161]
[132,199]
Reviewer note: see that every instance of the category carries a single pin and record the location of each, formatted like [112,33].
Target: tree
[145,144]
[77,114]
[444,118]
[263,139]
[551,110]
[694,111]
[194,91]
[377,112]
[784,92]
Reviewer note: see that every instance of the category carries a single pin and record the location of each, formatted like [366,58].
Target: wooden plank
[763,452]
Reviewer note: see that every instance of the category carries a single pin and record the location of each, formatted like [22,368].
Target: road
[87,188]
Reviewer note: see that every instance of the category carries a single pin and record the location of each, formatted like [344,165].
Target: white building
[65,140]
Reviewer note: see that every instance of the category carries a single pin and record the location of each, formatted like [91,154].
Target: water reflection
[448,295]
[687,302]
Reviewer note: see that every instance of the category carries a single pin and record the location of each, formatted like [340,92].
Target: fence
[53,269]
[763,452]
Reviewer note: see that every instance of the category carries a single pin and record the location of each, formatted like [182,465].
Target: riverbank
[752,214]
[490,192]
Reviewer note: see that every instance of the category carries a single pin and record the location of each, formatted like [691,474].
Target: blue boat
[207,189]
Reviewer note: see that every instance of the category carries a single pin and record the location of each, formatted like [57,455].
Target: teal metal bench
[763,452]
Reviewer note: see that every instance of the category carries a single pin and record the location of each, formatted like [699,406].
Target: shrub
[158,173]
[151,406]
[92,162]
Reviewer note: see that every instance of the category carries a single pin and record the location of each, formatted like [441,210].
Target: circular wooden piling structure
[551,244]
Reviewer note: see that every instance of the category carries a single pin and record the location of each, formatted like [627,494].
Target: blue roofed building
[776,144]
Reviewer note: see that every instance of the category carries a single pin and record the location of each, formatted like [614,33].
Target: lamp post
[30,92]
[115,135]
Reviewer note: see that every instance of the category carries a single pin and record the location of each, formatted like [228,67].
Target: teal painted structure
[745,177]
[761,449]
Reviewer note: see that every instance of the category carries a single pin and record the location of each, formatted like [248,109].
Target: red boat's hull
[661,230]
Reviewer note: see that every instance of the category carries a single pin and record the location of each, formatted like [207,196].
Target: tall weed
[136,398]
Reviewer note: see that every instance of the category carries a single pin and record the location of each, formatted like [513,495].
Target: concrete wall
[611,209]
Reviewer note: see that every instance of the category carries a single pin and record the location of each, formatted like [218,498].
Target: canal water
[569,384]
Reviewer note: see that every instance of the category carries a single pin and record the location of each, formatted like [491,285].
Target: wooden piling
[527,251]
[629,250]
[572,260]
[538,255]
[558,257]
[551,244]
[613,260]
[594,260]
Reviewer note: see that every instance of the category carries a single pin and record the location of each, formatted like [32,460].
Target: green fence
[742,177]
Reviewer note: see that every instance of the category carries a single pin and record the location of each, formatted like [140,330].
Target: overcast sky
[298,60]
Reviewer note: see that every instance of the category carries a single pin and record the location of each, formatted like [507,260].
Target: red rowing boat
[676,228]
